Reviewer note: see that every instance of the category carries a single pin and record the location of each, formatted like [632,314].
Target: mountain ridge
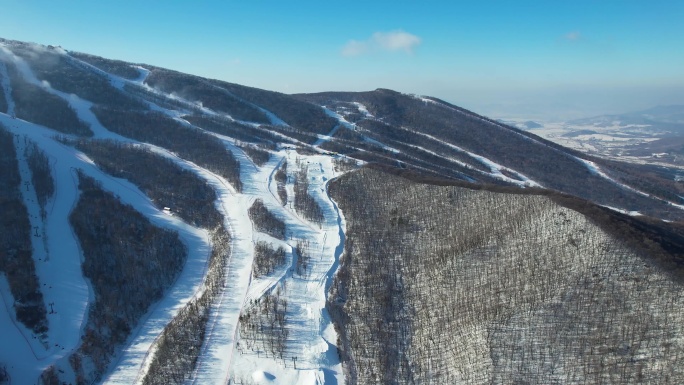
[249,182]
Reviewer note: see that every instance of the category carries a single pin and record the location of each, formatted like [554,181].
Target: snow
[596,170]
[380,144]
[80,106]
[218,360]
[324,138]
[342,122]
[120,82]
[314,344]
[39,237]
[306,320]
[486,121]
[144,73]
[115,81]
[606,140]
[275,120]
[60,272]
[223,358]
[363,110]
[312,337]
[352,126]
[630,213]
[16,351]
[495,168]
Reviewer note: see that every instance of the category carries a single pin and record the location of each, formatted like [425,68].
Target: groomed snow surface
[310,353]
[312,337]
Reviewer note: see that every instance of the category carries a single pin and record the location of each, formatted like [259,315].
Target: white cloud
[355,48]
[392,41]
[573,36]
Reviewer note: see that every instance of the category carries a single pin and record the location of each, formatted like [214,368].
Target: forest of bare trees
[116,67]
[303,201]
[16,251]
[198,90]
[281,181]
[424,131]
[305,118]
[129,262]
[189,143]
[256,152]
[3,97]
[241,132]
[262,325]
[449,275]
[528,290]
[265,221]
[41,176]
[178,346]
[161,179]
[70,76]
[266,259]
[37,105]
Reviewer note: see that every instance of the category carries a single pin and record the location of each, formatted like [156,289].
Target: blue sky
[503,58]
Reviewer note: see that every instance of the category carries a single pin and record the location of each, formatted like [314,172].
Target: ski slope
[313,344]
[58,256]
[596,170]
[61,272]
[221,358]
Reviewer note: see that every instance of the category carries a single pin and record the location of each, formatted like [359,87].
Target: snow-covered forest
[443,284]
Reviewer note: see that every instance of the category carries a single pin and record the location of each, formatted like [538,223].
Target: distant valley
[654,136]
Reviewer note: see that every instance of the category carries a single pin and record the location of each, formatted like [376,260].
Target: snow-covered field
[614,140]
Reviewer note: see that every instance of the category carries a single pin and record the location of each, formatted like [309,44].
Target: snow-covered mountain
[159,227]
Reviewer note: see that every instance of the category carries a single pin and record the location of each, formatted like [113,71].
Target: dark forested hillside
[432,130]
[36,105]
[170,186]
[165,132]
[129,262]
[201,91]
[67,75]
[16,260]
[442,284]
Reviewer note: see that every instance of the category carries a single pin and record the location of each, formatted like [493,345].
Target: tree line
[161,179]
[188,143]
[16,250]
[129,262]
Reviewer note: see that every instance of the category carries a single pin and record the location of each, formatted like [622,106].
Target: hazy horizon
[528,59]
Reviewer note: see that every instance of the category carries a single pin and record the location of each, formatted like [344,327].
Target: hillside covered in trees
[446,284]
